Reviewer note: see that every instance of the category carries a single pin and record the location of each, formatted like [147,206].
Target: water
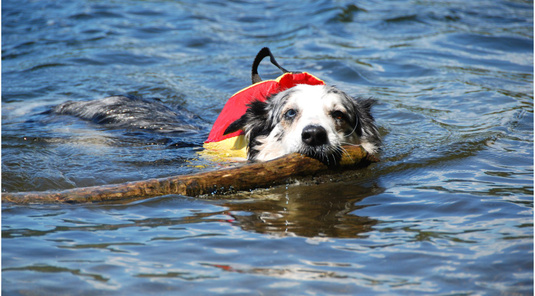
[449,210]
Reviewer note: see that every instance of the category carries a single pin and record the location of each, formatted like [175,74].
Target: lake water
[448,210]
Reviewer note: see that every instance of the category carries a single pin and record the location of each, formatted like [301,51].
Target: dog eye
[290,114]
[338,115]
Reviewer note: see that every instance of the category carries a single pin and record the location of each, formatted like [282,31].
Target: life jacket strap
[264,52]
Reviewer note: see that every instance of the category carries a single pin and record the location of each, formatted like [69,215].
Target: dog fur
[132,113]
[315,120]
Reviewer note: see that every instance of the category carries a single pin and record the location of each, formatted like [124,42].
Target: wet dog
[314,120]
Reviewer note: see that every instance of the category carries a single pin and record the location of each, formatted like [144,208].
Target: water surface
[448,211]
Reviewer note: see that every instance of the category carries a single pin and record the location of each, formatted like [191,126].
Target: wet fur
[132,113]
[272,134]
[346,121]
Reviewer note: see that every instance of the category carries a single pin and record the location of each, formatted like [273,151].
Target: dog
[308,118]
[314,120]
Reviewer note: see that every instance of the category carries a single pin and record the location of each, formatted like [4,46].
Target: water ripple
[448,210]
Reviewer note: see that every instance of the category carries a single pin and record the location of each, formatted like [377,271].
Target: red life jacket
[234,144]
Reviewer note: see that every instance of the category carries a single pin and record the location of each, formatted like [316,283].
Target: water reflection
[324,210]
[453,211]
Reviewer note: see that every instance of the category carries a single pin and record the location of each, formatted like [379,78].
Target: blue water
[448,210]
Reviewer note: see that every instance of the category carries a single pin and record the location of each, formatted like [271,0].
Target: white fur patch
[311,105]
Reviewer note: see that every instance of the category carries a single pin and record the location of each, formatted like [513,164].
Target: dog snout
[314,135]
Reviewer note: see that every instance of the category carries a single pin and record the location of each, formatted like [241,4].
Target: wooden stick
[246,177]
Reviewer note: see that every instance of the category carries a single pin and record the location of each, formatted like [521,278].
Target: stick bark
[246,177]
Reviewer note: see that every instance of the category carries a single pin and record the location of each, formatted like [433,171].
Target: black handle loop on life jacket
[264,52]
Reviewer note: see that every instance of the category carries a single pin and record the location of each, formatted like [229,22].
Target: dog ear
[256,115]
[366,106]
[237,125]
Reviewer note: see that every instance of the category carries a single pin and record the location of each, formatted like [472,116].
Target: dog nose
[314,135]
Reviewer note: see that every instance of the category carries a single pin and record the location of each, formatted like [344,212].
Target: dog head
[314,120]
